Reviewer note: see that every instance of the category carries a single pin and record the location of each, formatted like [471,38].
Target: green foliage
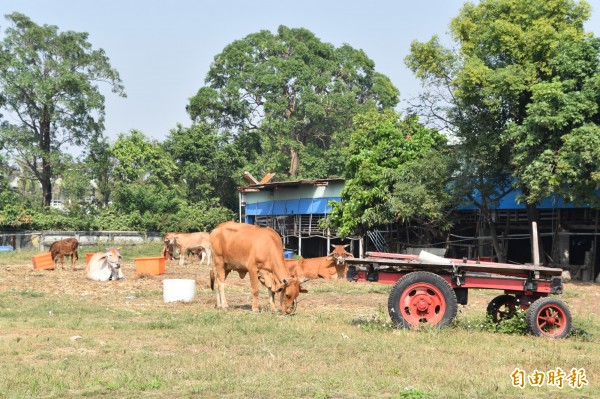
[296,90]
[520,96]
[48,85]
[197,217]
[413,393]
[208,162]
[532,72]
[385,173]
[140,160]
[557,144]
[516,325]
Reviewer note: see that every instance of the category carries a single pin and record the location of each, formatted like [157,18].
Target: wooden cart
[427,289]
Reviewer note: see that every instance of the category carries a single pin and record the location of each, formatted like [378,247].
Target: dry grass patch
[63,336]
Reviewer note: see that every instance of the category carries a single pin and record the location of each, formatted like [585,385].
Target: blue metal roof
[303,206]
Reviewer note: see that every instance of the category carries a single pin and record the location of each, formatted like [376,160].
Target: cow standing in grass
[61,248]
[198,243]
[104,266]
[251,249]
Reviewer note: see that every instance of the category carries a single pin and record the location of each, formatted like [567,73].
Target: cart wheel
[422,298]
[502,307]
[549,317]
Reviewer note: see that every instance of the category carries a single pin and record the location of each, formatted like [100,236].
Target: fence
[41,240]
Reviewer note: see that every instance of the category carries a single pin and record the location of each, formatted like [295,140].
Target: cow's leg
[220,268]
[74,258]
[181,255]
[253,272]
[62,261]
[272,300]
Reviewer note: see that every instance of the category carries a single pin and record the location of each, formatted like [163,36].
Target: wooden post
[535,244]
[594,256]
[361,252]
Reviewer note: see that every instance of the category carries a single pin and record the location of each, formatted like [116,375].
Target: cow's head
[288,293]
[114,258]
[170,239]
[340,254]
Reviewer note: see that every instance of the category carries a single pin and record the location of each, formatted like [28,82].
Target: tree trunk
[46,183]
[498,249]
[293,162]
[46,176]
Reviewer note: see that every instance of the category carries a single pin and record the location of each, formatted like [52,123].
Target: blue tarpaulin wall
[510,202]
[302,206]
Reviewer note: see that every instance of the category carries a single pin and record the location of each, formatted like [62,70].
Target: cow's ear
[285,282]
[329,257]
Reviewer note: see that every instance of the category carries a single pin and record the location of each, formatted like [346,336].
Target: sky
[163,49]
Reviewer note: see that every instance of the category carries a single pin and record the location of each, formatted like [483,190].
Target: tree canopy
[387,178]
[49,84]
[296,90]
[520,95]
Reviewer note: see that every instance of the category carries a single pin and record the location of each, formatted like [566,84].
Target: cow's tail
[212,279]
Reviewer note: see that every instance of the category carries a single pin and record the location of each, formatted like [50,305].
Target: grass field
[62,336]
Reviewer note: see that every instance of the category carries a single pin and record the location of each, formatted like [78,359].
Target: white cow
[104,266]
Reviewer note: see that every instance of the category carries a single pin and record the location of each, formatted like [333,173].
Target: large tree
[397,171]
[520,94]
[208,164]
[49,89]
[296,90]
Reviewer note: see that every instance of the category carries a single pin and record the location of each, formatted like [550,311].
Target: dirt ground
[146,290]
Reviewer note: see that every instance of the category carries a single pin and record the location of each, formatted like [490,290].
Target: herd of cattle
[243,248]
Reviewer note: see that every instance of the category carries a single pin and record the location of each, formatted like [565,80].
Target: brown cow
[167,251]
[194,242]
[62,248]
[251,249]
[312,268]
[104,266]
[340,255]
[273,286]
[332,266]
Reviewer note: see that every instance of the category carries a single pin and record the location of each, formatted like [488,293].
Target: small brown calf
[62,248]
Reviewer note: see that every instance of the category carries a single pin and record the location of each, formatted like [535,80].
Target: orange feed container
[150,265]
[43,261]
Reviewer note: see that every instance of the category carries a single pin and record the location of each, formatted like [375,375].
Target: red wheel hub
[422,303]
[551,320]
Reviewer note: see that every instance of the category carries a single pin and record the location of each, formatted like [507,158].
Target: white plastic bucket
[179,290]
[428,257]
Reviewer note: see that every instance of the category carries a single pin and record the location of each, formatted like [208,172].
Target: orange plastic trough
[150,265]
[43,261]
